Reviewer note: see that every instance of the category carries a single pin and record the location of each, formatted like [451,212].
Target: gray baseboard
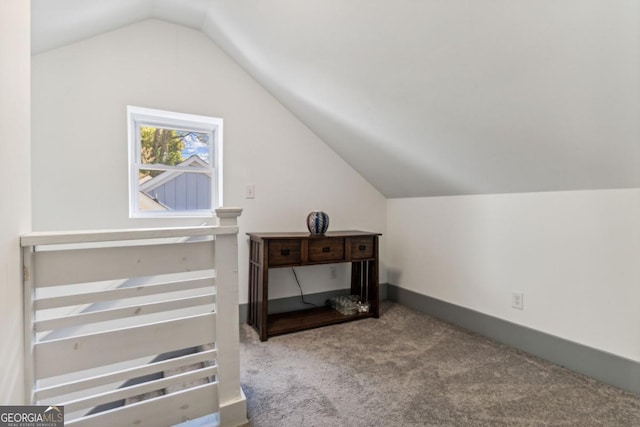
[597,364]
[283,305]
[244,315]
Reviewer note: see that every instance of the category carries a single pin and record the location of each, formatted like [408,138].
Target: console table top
[307,235]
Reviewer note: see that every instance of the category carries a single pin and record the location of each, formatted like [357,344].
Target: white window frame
[137,117]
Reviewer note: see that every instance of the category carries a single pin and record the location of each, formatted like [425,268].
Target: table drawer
[284,252]
[326,250]
[361,247]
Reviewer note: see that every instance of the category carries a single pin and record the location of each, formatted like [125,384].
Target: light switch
[250,192]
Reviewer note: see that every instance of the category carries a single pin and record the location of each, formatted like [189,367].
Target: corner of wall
[15,186]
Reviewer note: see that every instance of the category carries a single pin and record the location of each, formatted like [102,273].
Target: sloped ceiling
[427,97]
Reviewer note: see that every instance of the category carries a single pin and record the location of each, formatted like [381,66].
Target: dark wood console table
[277,250]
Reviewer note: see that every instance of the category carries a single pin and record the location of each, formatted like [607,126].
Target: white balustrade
[129,327]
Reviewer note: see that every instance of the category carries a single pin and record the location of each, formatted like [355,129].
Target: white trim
[160,167]
[138,116]
[234,412]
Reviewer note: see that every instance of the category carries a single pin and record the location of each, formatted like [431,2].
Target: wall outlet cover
[517,300]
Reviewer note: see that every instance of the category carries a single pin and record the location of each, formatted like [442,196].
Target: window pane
[174,191]
[172,147]
[195,144]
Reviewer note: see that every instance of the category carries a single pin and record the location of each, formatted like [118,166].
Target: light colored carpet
[409,369]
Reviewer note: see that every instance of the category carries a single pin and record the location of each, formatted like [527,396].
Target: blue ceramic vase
[317,223]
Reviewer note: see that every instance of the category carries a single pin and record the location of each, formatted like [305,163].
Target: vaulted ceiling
[427,97]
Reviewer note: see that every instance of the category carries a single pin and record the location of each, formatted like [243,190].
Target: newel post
[228,216]
[233,408]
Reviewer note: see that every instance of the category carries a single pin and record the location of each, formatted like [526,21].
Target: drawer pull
[362,247]
[326,249]
[284,252]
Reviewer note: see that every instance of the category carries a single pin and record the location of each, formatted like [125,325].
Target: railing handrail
[91,236]
[227,218]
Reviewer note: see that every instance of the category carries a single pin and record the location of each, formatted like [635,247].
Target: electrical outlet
[517,300]
[250,192]
[333,272]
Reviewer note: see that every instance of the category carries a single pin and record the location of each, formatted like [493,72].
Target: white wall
[15,210]
[574,255]
[80,93]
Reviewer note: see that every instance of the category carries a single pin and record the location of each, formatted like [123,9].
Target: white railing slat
[123,293]
[163,411]
[118,313]
[123,375]
[138,389]
[103,348]
[53,267]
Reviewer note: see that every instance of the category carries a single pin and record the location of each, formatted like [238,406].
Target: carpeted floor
[408,369]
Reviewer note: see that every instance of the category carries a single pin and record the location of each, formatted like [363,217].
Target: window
[175,164]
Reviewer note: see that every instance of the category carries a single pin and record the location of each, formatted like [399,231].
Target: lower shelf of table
[293,321]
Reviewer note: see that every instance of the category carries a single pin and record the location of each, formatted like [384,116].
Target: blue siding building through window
[186,191]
